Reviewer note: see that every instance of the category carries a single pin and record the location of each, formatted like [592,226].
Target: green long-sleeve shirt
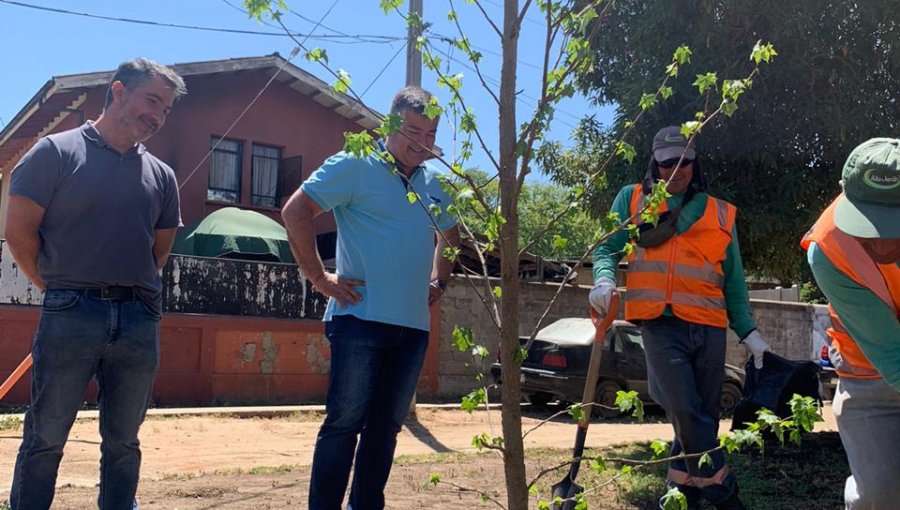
[871,323]
[737,300]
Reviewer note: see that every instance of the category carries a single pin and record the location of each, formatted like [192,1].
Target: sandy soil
[230,462]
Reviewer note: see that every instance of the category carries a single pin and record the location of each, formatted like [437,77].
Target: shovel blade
[565,489]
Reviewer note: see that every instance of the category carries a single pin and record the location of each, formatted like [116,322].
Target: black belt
[113,293]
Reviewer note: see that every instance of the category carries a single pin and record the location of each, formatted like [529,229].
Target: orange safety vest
[849,257]
[685,272]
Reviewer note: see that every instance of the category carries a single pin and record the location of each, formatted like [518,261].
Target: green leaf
[625,151]
[673,500]
[451,82]
[532,490]
[705,82]
[682,55]
[434,479]
[577,412]
[672,70]
[390,124]
[467,123]
[497,291]
[359,145]
[659,447]
[342,85]
[521,354]
[433,109]
[647,101]
[580,503]
[480,351]
[463,338]
[705,460]
[412,196]
[317,55]
[390,5]
[729,108]
[474,399]
[762,52]
[665,91]
[625,470]
[690,127]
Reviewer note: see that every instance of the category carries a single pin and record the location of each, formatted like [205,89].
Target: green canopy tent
[236,234]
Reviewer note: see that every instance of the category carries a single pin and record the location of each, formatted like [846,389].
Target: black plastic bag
[773,386]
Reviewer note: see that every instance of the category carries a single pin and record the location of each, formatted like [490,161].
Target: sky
[38,44]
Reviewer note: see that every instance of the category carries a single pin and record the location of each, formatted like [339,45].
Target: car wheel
[606,397]
[539,400]
[731,394]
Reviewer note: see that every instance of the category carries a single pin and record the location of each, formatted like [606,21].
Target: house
[226,145]
[247,134]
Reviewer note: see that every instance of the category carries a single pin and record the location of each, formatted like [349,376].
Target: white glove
[757,346]
[601,294]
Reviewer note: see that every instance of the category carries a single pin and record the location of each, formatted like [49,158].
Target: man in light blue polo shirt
[390,268]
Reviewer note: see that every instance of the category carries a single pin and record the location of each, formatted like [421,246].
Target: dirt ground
[228,462]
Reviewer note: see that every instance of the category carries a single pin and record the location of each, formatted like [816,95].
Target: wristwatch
[441,284]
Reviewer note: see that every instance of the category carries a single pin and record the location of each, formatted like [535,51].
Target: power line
[259,94]
[521,96]
[336,38]
[383,69]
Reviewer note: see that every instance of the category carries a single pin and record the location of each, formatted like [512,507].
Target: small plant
[268,470]
[9,423]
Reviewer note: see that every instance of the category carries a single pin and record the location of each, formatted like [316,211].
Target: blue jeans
[868,418]
[686,367]
[80,337]
[374,371]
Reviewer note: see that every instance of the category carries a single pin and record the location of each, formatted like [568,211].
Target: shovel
[567,488]
[15,376]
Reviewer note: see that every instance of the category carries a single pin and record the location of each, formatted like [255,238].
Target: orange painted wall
[218,360]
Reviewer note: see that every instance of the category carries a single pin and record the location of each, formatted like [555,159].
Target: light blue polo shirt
[382,238]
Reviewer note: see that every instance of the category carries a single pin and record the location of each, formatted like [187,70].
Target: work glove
[601,294]
[757,346]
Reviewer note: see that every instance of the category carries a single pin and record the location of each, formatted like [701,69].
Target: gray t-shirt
[101,209]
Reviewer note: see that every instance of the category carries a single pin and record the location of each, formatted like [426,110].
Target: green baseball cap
[871,181]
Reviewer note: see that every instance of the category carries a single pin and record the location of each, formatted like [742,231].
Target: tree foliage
[567,238]
[779,157]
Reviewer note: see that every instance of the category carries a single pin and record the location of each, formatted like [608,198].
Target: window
[224,171]
[266,165]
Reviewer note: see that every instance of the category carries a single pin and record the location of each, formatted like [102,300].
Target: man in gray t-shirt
[91,220]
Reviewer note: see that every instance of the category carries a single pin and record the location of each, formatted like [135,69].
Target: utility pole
[413,55]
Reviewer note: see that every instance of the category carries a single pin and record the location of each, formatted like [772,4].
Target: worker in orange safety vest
[685,285]
[854,252]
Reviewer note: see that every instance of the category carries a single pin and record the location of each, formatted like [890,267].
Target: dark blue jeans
[374,371]
[80,337]
[686,367]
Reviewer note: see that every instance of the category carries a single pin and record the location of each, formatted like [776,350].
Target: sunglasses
[669,163]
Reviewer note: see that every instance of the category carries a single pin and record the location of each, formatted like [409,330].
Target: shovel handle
[15,376]
[601,325]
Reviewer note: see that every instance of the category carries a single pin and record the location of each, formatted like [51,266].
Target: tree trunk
[511,393]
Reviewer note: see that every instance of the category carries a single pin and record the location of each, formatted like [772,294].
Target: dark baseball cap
[670,143]
[871,181]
